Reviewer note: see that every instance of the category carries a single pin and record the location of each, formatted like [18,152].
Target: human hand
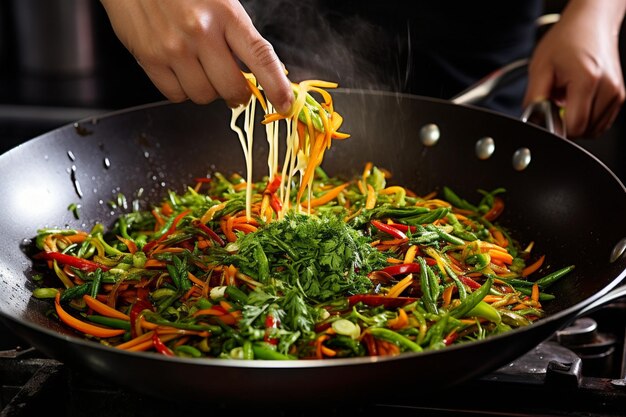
[191,49]
[577,65]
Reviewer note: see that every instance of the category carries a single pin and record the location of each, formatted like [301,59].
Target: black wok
[566,201]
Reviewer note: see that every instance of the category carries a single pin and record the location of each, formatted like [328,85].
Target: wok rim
[557,319]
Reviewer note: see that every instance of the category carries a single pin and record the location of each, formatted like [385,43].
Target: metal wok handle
[542,113]
[606,298]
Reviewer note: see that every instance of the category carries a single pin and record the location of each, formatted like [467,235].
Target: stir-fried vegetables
[369,269]
[294,266]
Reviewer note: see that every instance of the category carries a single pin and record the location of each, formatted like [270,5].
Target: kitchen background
[62,62]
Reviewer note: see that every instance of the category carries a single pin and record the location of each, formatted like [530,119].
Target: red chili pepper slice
[276,204]
[380,300]
[160,346]
[403,227]
[206,229]
[469,282]
[76,262]
[273,185]
[398,234]
[271,322]
[411,268]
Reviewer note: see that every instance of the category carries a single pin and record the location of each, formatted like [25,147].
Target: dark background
[62,62]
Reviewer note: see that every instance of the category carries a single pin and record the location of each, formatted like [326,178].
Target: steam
[316,43]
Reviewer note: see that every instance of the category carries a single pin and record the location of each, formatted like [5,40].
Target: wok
[565,200]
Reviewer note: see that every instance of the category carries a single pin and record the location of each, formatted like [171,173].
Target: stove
[579,371]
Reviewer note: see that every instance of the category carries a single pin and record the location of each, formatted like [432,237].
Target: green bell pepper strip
[263,352]
[486,311]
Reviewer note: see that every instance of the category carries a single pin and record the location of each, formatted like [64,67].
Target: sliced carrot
[534,294]
[447,295]
[399,322]
[82,326]
[499,255]
[326,197]
[101,308]
[533,267]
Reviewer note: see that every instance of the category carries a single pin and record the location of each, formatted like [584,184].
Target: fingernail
[285,108]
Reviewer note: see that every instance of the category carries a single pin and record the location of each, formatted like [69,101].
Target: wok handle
[549,113]
[541,113]
[612,295]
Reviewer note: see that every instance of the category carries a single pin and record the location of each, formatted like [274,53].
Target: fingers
[261,59]
[591,100]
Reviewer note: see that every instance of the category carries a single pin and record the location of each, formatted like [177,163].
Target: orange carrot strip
[82,326]
[208,312]
[244,227]
[402,320]
[227,228]
[257,93]
[327,197]
[505,257]
[154,263]
[103,309]
[135,341]
[533,267]
[534,295]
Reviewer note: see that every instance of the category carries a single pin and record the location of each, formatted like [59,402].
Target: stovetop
[580,371]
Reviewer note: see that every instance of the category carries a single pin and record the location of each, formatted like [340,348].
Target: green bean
[395,337]
[542,295]
[457,201]
[95,284]
[427,297]
[236,294]
[435,334]
[550,279]
[472,299]
[263,266]
[109,321]
[188,351]
[248,351]
[459,285]
[429,217]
